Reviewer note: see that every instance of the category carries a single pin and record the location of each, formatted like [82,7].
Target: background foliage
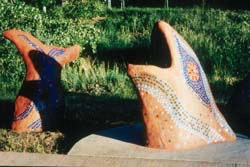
[97,82]
[220,38]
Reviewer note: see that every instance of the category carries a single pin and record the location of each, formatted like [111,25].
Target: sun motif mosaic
[196,79]
[192,71]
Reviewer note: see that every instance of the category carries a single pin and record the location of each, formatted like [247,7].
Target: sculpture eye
[193,71]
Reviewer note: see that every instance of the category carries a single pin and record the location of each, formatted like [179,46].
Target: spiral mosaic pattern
[167,98]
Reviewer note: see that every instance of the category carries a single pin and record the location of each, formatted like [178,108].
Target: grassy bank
[115,38]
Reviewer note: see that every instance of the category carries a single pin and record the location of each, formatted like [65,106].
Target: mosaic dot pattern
[167,98]
[197,81]
[192,72]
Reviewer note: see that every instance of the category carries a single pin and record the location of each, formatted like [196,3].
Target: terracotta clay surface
[178,108]
[39,100]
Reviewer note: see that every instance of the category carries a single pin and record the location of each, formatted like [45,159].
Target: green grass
[220,39]
[47,142]
[97,82]
[91,76]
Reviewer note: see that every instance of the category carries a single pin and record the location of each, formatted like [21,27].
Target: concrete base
[120,147]
[123,146]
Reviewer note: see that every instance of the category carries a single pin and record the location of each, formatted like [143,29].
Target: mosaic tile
[186,115]
[165,95]
[40,96]
[196,78]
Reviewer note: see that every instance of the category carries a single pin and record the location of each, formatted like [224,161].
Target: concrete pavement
[120,147]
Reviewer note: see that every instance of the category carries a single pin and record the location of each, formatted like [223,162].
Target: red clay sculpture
[39,100]
[178,108]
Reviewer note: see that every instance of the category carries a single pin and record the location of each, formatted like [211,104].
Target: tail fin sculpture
[38,101]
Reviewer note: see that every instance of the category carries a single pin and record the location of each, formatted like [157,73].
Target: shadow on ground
[89,114]
[6,113]
[84,115]
[134,134]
